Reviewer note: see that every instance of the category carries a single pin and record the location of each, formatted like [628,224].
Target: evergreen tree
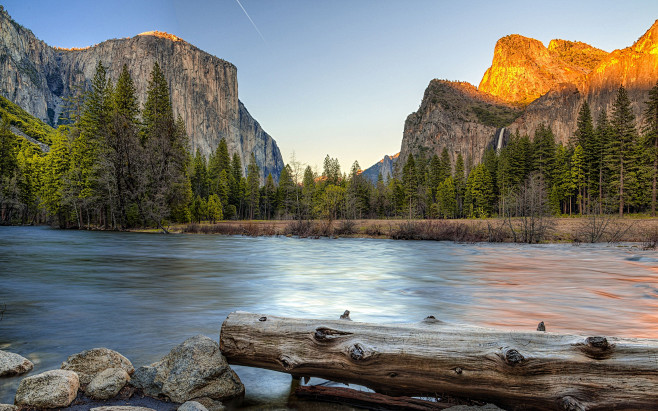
[253,187]
[410,184]
[447,198]
[167,157]
[651,140]
[479,192]
[308,192]
[459,179]
[620,149]
[543,150]
[214,207]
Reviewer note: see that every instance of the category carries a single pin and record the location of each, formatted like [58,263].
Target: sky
[339,77]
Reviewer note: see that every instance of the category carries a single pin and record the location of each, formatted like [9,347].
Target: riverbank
[591,229]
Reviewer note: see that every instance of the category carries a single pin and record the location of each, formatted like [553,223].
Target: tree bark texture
[517,370]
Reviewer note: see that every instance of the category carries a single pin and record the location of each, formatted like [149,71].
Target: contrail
[252,22]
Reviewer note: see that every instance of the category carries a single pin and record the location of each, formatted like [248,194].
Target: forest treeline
[118,165]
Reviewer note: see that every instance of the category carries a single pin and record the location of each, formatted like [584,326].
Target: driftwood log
[518,370]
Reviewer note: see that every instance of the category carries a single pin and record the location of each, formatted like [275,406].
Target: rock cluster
[194,373]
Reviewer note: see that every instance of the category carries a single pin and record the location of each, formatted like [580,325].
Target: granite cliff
[385,167]
[526,85]
[203,88]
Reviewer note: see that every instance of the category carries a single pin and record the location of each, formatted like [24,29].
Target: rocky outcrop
[87,364]
[51,389]
[456,116]
[8,407]
[203,88]
[107,383]
[13,364]
[385,167]
[196,368]
[527,85]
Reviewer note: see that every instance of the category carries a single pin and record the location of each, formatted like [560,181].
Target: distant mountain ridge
[384,167]
[203,88]
[529,84]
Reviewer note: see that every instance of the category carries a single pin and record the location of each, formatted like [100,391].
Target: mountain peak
[523,69]
[161,34]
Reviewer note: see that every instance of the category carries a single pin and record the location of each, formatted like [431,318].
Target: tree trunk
[512,369]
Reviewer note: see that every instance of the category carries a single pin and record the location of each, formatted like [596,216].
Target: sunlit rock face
[523,69]
[526,85]
[203,88]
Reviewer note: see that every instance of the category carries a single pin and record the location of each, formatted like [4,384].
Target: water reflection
[141,294]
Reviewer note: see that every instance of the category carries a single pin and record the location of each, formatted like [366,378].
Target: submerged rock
[51,389]
[192,406]
[13,364]
[196,368]
[91,362]
[121,408]
[210,404]
[107,383]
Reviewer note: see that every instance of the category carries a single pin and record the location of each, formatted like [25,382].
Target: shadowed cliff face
[543,84]
[203,88]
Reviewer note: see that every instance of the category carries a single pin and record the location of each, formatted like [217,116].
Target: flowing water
[142,294]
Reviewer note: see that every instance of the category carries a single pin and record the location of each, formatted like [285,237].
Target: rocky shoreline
[194,376]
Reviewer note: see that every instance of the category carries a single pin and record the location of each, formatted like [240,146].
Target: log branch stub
[598,342]
[597,348]
[261,319]
[513,357]
[324,334]
[569,403]
[458,370]
[361,353]
[346,316]
[541,326]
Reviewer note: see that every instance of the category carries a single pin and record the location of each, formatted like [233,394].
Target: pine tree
[410,183]
[543,151]
[620,149]
[578,175]
[479,192]
[165,145]
[253,187]
[308,192]
[651,140]
[460,184]
[586,138]
[447,198]
[602,137]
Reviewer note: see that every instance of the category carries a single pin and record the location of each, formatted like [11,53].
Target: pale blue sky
[340,77]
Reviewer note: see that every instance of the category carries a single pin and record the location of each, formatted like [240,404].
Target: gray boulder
[107,383]
[13,364]
[196,368]
[90,362]
[8,407]
[51,389]
[192,406]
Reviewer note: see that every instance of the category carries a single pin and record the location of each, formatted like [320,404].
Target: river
[142,294]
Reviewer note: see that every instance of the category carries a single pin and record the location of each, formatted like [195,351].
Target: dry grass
[577,229]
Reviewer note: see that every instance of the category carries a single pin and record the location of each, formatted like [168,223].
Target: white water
[501,134]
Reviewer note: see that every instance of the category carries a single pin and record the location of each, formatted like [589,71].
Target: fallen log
[511,369]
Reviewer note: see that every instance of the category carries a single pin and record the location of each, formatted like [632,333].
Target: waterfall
[501,134]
